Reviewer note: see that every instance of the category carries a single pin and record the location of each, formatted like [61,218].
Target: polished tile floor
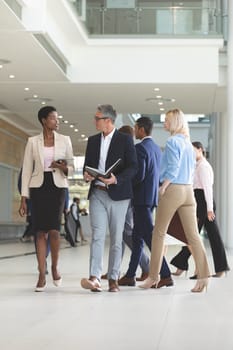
[133,319]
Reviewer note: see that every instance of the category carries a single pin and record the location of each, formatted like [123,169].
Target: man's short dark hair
[44,112]
[146,123]
[107,111]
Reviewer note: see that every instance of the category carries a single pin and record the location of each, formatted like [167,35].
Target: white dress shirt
[104,147]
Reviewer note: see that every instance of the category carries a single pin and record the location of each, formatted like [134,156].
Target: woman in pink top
[48,161]
[203,190]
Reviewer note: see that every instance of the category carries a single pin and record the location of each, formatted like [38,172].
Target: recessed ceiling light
[71,125]
[60,116]
[38,99]
[161,109]
[83,135]
[35,96]
[11,76]
[43,103]
[83,139]
[160,103]
[1,66]
[76,130]
[162,99]
[26,89]
[66,121]
[156,89]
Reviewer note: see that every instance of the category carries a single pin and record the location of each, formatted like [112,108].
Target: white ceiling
[34,68]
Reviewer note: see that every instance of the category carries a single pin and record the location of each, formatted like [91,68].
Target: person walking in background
[145,199]
[203,191]
[144,262]
[48,160]
[176,194]
[75,211]
[109,198]
[28,235]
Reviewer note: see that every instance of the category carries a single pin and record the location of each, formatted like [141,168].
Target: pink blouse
[48,157]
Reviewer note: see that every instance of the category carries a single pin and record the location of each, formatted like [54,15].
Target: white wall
[130,61]
[198,132]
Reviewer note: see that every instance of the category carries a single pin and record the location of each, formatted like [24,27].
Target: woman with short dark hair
[48,160]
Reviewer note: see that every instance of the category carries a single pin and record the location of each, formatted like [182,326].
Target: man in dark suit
[145,188]
[109,198]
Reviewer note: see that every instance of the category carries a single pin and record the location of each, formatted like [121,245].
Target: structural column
[222,147]
[219,160]
[229,124]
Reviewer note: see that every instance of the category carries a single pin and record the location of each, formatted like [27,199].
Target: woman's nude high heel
[57,283]
[179,272]
[200,285]
[40,287]
[58,280]
[148,283]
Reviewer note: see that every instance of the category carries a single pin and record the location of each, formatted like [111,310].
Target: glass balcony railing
[153,18]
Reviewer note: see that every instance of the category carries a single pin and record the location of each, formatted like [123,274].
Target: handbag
[175,229]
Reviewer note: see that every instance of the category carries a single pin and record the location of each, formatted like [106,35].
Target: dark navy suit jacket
[121,146]
[146,181]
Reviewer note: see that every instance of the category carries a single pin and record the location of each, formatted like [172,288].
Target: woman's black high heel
[194,277]
[220,274]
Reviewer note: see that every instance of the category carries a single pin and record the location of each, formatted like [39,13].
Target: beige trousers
[178,198]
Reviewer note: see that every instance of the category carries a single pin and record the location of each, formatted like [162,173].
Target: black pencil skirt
[47,204]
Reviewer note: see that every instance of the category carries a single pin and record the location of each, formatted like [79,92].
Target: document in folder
[96,173]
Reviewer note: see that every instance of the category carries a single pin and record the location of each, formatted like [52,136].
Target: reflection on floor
[133,319]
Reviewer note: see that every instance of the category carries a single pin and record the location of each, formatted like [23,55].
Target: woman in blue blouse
[176,194]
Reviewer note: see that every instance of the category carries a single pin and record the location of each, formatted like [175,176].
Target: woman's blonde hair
[178,123]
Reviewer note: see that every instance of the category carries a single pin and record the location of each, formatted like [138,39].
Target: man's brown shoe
[127,281]
[143,277]
[113,286]
[164,282]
